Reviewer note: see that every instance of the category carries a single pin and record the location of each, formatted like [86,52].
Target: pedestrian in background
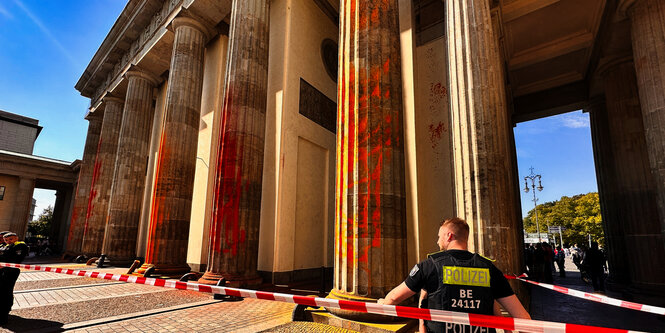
[14,252]
[560,261]
[594,261]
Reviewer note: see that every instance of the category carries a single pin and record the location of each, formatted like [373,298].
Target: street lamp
[533,178]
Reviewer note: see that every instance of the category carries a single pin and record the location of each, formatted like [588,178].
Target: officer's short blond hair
[458,227]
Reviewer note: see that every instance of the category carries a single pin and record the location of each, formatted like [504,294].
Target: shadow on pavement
[550,305]
[25,325]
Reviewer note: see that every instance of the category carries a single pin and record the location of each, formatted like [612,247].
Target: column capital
[624,7]
[113,99]
[138,73]
[97,115]
[190,22]
[609,64]
[595,104]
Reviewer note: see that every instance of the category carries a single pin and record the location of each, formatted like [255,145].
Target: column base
[234,281]
[162,270]
[323,317]
[118,262]
[358,316]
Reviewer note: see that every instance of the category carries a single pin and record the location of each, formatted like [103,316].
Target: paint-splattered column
[635,197]
[174,176]
[370,220]
[647,26]
[21,206]
[485,184]
[102,177]
[234,228]
[77,225]
[129,176]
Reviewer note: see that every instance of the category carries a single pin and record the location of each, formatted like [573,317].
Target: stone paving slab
[28,299]
[299,326]
[40,276]
[171,310]
[47,318]
[59,283]
[249,315]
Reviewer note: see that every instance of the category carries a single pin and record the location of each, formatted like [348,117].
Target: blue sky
[46,45]
[44,48]
[559,149]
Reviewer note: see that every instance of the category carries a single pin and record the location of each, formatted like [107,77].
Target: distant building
[32,210]
[18,133]
[21,172]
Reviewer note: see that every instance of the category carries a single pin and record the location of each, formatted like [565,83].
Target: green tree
[580,215]
[41,227]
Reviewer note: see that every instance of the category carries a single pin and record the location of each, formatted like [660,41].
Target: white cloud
[575,120]
[4,12]
[47,32]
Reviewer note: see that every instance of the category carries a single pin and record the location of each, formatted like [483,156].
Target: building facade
[281,140]
[21,172]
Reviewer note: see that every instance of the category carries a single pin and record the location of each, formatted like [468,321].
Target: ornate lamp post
[533,178]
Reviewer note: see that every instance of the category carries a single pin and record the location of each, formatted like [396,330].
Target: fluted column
[370,219]
[647,29]
[22,204]
[601,138]
[77,224]
[102,178]
[484,172]
[234,228]
[174,176]
[635,197]
[130,169]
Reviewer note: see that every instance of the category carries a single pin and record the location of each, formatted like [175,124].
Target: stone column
[234,228]
[174,176]
[635,197]
[77,223]
[59,216]
[22,204]
[647,26]
[370,219]
[102,178]
[481,127]
[607,189]
[130,170]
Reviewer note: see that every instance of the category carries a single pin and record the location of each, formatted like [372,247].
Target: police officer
[455,279]
[14,252]
[2,241]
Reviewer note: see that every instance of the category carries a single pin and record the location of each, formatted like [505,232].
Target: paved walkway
[550,305]
[52,302]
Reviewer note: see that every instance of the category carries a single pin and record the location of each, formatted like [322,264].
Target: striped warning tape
[454,318]
[593,297]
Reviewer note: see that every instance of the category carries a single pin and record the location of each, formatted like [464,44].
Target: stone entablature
[25,165]
[136,28]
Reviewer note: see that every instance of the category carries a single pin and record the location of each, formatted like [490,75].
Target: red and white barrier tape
[460,318]
[594,297]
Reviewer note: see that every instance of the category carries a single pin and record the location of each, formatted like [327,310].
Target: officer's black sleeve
[417,277]
[499,284]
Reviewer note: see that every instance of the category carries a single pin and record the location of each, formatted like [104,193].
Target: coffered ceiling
[548,43]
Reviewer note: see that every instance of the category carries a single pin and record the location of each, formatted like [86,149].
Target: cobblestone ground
[306,327]
[51,302]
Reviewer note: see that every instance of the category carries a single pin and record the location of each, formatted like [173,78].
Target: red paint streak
[228,236]
[156,215]
[435,133]
[93,192]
